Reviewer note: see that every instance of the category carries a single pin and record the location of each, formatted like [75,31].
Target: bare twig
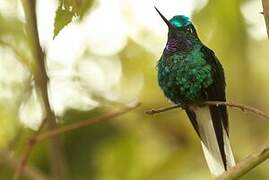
[41,80]
[85,123]
[265,4]
[30,171]
[162,109]
[242,107]
[27,151]
[55,132]
[247,164]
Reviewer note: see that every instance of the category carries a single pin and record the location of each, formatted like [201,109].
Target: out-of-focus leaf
[11,26]
[68,10]
[14,38]
[82,6]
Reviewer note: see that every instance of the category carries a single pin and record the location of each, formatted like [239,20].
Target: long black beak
[164,18]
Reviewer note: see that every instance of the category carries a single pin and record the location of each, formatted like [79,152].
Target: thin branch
[26,153]
[242,107]
[37,137]
[163,109]
[41,80]
[85,123]
[247,164]
[30,171]
[265,4]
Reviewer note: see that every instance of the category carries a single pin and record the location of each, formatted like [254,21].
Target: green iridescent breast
[183,76]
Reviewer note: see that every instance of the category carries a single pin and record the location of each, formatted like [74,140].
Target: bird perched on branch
[189,73]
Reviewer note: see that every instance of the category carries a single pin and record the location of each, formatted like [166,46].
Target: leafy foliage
[68,10]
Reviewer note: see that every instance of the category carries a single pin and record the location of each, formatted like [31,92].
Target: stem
[37,137]
[85,123]
[242,107]
[26,154]
[30,171]
[265,4]
[58,165]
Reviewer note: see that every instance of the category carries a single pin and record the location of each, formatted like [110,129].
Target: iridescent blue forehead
[180,21]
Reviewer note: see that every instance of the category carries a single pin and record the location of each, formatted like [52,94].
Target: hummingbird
[189,73]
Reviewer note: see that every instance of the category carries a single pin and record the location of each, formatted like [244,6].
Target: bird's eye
[189,30]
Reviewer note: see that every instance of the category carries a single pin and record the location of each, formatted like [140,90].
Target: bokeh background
[109,57]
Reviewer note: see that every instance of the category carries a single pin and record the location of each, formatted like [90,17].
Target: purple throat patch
[177,45]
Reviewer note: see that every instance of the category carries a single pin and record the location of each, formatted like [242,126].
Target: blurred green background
[107,56]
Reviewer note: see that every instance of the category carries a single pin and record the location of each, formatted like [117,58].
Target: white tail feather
[210,144]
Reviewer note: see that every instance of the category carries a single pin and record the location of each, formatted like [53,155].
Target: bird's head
[179,24]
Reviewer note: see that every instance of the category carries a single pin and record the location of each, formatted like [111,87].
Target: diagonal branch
[265,4]
[37,137]
[248,163]
[26,153]
[30,171]
[85,123]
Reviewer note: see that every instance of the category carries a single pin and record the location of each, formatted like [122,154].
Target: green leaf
[68,10]
[63,17]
